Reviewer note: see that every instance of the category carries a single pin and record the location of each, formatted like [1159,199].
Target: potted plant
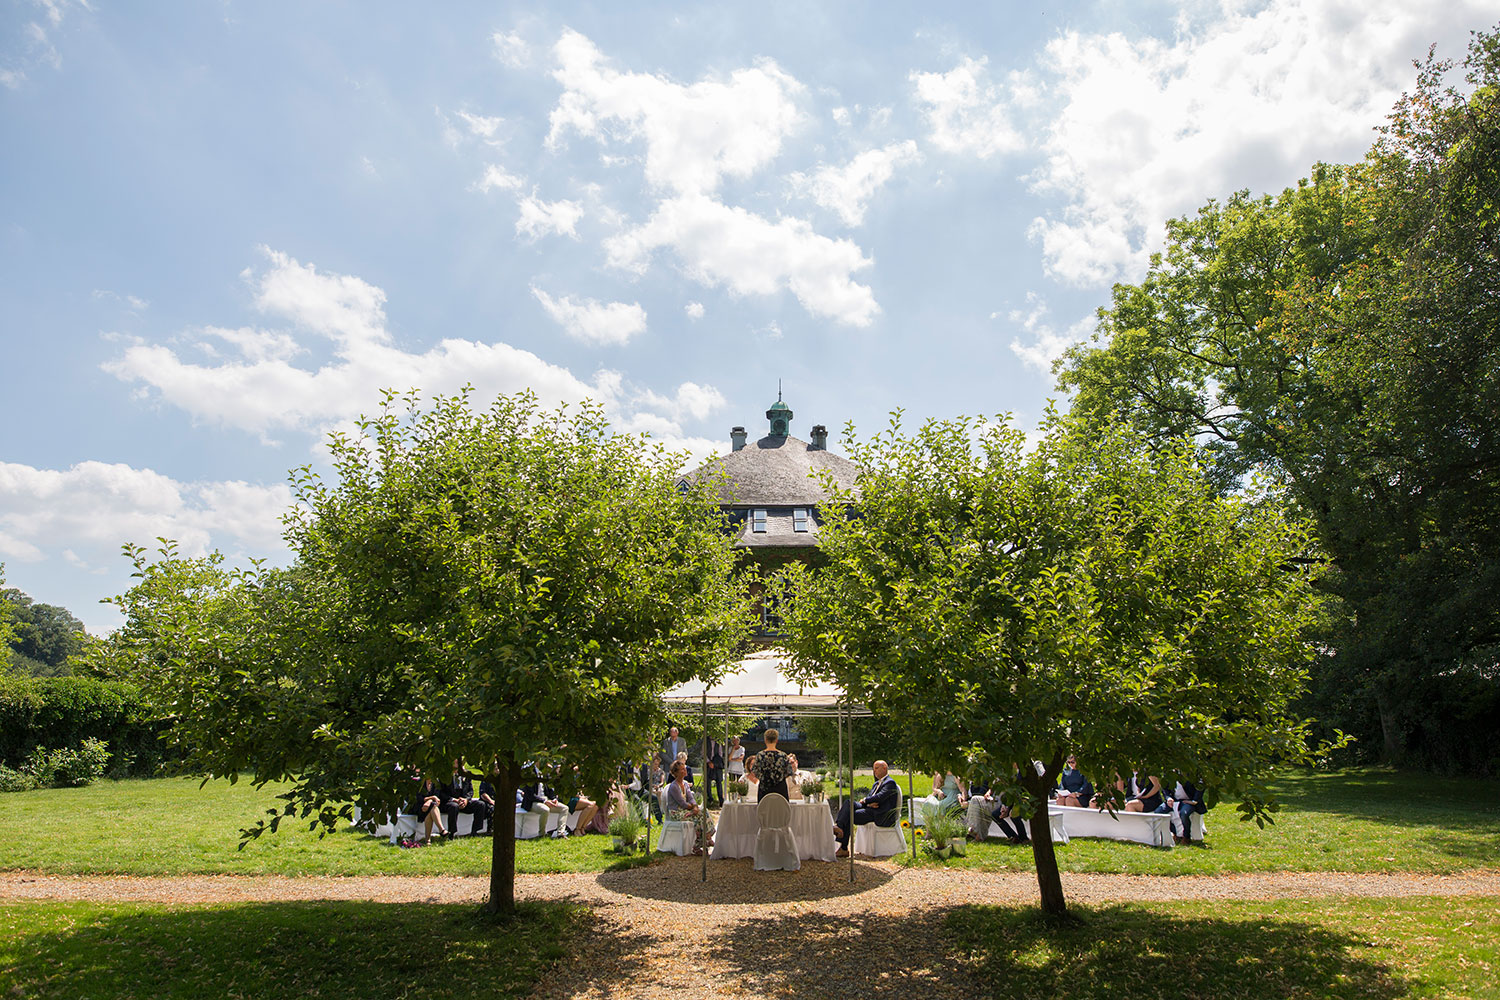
[812,789]
[945,830]
[737,789]
[626,828]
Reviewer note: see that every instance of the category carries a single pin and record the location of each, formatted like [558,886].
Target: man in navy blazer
[879,807]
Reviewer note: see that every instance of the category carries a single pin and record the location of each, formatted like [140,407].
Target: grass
[329,950]
[1365,820]
[1215,950]
[1360,820]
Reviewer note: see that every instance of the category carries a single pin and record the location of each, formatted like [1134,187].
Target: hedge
[61,712]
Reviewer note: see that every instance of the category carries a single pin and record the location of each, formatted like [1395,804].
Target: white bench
[1055,824]
[1154,829]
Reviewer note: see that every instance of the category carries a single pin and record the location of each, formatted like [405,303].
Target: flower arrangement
[737,789]
[812,789]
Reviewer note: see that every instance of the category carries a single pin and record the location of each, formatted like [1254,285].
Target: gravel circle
[661,932]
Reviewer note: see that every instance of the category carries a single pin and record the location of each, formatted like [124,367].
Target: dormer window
[800,519]
[758,520]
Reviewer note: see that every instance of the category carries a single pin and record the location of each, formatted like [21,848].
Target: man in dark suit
[458,796]
[879,807]
[713,769]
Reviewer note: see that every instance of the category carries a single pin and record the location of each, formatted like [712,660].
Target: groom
[879,807]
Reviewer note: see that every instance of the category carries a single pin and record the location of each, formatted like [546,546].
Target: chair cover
[881,841]
[775,846]
[677,836]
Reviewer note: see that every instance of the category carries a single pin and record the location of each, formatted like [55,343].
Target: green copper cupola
[780,416]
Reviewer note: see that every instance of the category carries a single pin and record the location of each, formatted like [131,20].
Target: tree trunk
[1048,880]
[1390,739]
[503,850]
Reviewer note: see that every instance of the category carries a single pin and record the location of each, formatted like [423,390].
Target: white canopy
[759,684]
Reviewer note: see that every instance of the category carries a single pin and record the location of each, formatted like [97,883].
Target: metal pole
[911,812]
[703,806]
[851,794]
[839,782]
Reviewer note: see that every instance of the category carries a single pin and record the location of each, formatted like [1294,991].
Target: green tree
[1095,596]
[1344,337]
[7,628]
[45,637]
[506,586]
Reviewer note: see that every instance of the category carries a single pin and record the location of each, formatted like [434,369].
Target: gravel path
[660,931]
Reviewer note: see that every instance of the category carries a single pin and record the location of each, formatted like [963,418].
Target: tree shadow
[735,882]
[1397,797]
[330,949]
[985,951]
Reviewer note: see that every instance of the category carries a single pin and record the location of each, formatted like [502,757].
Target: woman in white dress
[736,760]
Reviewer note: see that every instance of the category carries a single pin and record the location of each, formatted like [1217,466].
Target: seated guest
[947,790]
[1184,801]
[539,798]
[682,803]
[682,759]
[770,767]
[428,807]
[879,807]
[1073,789]
[458,797]
[1143,793]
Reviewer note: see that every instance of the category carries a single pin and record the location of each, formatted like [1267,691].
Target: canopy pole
[849,833]
[703,806]
[851,796]
[911,810]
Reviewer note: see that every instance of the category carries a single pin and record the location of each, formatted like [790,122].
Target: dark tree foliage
[44,637]
[1344,337]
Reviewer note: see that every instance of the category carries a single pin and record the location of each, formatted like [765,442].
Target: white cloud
[694,134]
[723,245]
[594,321]
[1046,344]
[967,114]
[511,49]
[37,48]
[1139,130]
[95,507]
[496,177]
[847,190]
[258,388]
[538,218]
[694,310]
[482,126]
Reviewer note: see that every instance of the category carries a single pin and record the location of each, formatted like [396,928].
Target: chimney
[737,437]
[820,437]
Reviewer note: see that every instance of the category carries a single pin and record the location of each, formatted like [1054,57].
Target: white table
[812,826]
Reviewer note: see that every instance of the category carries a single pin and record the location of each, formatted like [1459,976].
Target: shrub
[80,766]
[66,711]
[12,780]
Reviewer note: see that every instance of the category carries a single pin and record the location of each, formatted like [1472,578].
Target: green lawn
[326,949]
[1360,820]
[1379,948]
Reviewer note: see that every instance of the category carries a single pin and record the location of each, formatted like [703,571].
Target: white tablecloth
[812,825]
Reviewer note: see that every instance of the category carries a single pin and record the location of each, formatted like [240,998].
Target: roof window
[799,519]
[758,520]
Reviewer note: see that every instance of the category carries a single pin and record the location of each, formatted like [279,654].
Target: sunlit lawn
[1361,820]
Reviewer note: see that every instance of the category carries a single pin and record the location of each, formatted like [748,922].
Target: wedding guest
[673,745]
[428,808]
[680,800]
[458,797]
[539,798]
[879,807]
[1143,793]
[1073,789]
[713,770]
[770,767]
[736,759]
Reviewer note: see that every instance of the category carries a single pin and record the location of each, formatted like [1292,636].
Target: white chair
[775,845]
[881,841]
[677,836]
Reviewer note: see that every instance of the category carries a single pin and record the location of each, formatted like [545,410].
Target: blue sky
[225,227]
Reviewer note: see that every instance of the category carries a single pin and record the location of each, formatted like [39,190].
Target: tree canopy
[1344,337]
[505,586]
[44,636]
[1096,596]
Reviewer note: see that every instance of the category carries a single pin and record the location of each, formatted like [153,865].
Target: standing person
[673,745]
[879,807]
[736,759]
[713,770]
[771,768]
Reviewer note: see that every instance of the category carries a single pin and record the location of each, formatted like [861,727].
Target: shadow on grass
[734,881]
[329,949]
[1406,798]
[982,951]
